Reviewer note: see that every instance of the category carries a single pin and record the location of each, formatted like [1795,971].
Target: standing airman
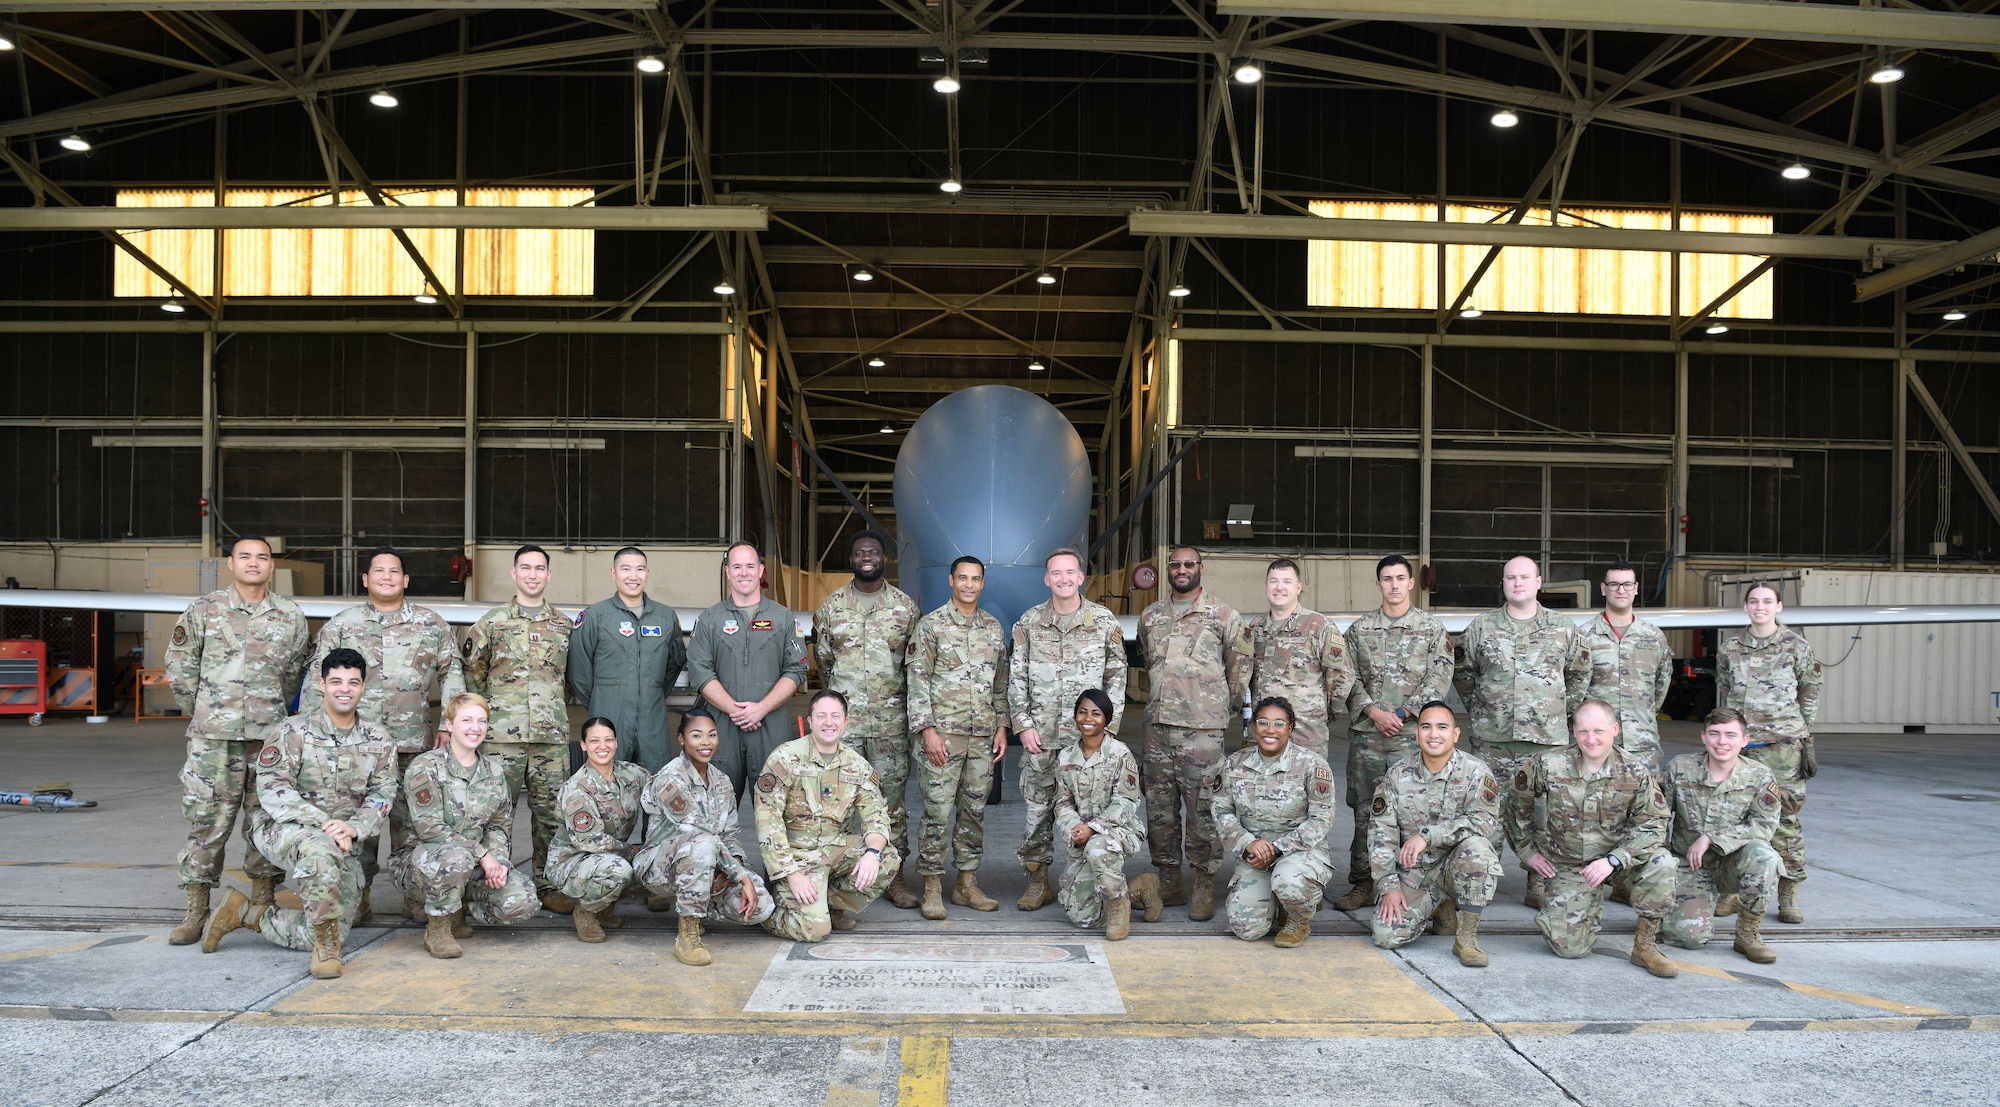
[1301,657]
[624,657]
[746,660]
[1768,672]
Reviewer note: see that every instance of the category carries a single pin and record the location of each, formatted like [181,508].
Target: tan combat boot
[1037,895]
[688,949]
[1357,897]
[1646,954]
[585,921]
[899,893]
[459,927]
[326,950]
[413,909]
[1201,899]
[1788,902]
[1296,929]
[1172,892]
[1145,891]
[264,891]
[438,939]
[658,904]
[1444,920]
[189,931]
[967,893]
[841,920]
[1466,944]
[555,901]
[1118,918]
[1728,905]
[236,913]
[363,911]
[1537,896]
[607,916]
[1750,940]
[933,907]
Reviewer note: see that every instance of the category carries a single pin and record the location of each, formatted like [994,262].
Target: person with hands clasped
[1274,808]
[821,875]
[1433,825]
[590,859]
[1097,815]
[693,854]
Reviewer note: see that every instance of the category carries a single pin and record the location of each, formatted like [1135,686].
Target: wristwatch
[1403,713]
[874,850]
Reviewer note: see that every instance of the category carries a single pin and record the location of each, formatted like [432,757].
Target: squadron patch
[1380,805]
[1769,799]
[180,635]
[678,805]
[768,782]
[269,757]
[582,822]
[1490,796]
[1521,779]
[422,798]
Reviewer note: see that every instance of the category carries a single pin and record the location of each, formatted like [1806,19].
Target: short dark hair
[1725,715]
[1063,551]
[342,658]
[1620,565]
[698,711]
[242,538]
[1172,550]
[1394,559]
[1096,696]
[1437,703]
[826,694]
[532,548]
[965,559]
[622,551]
[881,539]
[1279,702]
[734,546]
[368,560]
[596,720]
[1284,563]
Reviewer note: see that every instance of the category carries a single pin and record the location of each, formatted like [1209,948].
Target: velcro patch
[422,798]
[761,624]
[1490,796]
[768,782]
[1769,799]
[678,805]
[269,757]
[180,635]
[1380,806]
[582,822]
[1521,779]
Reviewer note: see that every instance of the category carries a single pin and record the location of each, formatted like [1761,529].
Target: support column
[209,437]
[1899,476]
[471,453]
[1424,428]
[738,357]
[1677,539]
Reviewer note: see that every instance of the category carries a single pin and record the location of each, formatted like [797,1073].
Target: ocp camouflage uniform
[1304,659]
[803,800]
[1740,816]
[590,860]
[693,851]
[1775,682]
[1457,810]
[1057,658]
[516,657]
[1102,790]
[408,650]
[859,641]
[1198,661]
[308,774]
[957,670]
[1399,664]
[1631,669]
[1287,801]
[233,666]
[1617,813]
[461,814]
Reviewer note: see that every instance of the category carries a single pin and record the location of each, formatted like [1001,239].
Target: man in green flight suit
[624,657]
[746,659]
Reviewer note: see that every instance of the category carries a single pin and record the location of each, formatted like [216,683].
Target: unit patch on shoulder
[269,757]
[1489,795]
[678,805]
[422,798]
[1769,799]
[768,782]
[1380,805]
[582,822]
[180,634]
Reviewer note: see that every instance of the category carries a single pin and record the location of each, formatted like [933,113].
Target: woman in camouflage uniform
[1097,820]
[1769,673]
[590,857]
[463,819]
[693,851]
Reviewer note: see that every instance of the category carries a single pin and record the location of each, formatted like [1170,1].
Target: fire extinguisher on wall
[461,568]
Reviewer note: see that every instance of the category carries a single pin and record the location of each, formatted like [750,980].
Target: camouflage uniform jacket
[233,666]
[598,815]
[1630,670]
[1304,659]
[1198,661]
[803,800]
[957,668]
[1743,808]
[310,772]
[455,804]
[407,649]
[1102,790]
[1458,802]
[1619,813]
[1401,662]
[680,805]
[1774,681]
[1520,682]
[517,657]
[860,648]
[1059,657]
[1286,800]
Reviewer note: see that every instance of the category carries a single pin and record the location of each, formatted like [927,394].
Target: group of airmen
[1562,763]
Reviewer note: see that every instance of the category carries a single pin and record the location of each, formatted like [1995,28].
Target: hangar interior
[1105,212]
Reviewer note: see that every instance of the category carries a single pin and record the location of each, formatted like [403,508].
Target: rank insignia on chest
[625,627]
[760,624]
[533,640]
[649,632]
[729,626]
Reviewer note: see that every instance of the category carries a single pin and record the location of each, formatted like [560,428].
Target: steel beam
[954,347]
[956,384]
[356,326]
[966,257]
[960,301]
[1536,342]
[429,443]
[1980,247]
[1951,439]
[293,5]
[350,217]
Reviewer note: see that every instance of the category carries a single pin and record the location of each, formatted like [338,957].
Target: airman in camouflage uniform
[1057,655]
[1198,659]
[1603,818]
[1734,819]
[1402,661]
[860,636]
[233,662]
[516,656]
[590,859]
[1433,825]
[1631,664]
[1285,800]
[1099,790]
[461,814]
[957,669]
[1769,673]
[803,799]
[1300,657]
[694,851]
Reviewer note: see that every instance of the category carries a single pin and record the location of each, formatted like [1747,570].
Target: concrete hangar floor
[1890,992]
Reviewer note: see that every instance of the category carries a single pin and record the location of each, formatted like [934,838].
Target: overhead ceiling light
[1248,72]
[1471,313]
[887,429]
[651,63]
[1179,292]
[1505,117]
[6,43]
[863,275]
[173,307]
[426,298]
[1886,73]
[1797,171]
[946,84]
[950,184]
[383,98]
[1045,277]
[876,362]
[724,288]
[74,142]
[1035,366]
[1954,315]
[1717,328]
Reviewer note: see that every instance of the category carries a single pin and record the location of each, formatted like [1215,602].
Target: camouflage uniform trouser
[329,883]
[1038,792]
[540,769]
[1369,756]
[1178,772]
[1751,872]
[1783,759]
[1574,914]
[217,785]
[1094,874]
[1507,760]
[689,870]
[954,802]
[400,835]
[833,880]
[595,880]
[890,758]
[1295,880]
[1468,874]
[446,876]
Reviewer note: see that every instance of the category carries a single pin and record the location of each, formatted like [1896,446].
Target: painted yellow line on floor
[1855,998]
[74,947]
[926,1072]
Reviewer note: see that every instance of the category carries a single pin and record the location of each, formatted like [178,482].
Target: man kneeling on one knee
[1432,836]
[822,876]
[1606,815]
